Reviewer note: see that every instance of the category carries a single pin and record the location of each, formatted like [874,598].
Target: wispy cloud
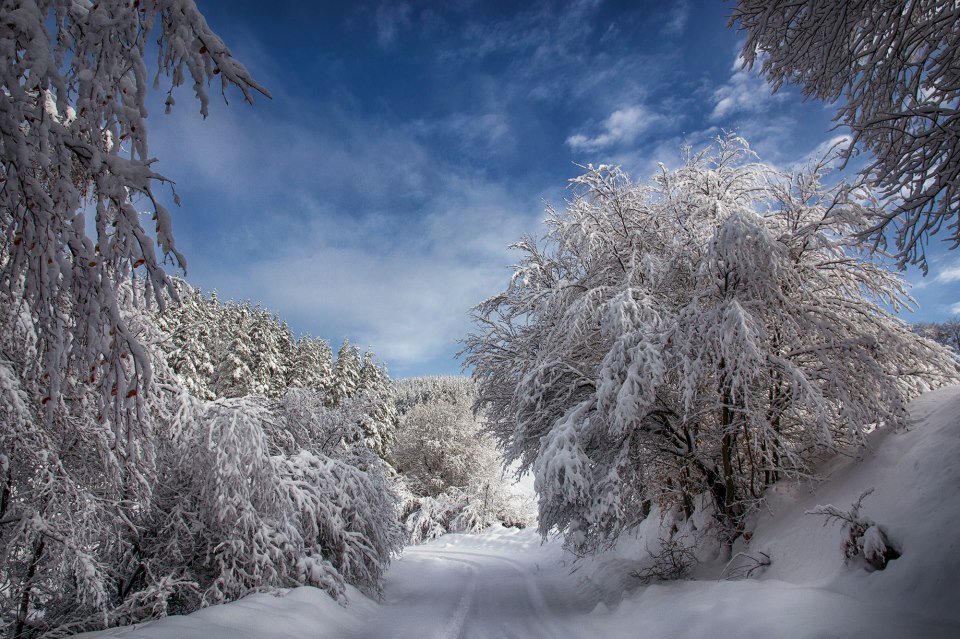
[403,287]
[395,262]
[623,126]
[482,133]
[382,212]
[949,274]
[677,18]
[391,18]
[745,92]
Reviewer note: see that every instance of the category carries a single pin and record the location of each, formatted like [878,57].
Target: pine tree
[266,362]
[286,352]
[233,376]
[312,365]
[346,373]
[381,420]
[191,325]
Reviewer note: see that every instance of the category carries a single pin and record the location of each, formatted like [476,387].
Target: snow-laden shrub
[161,503]
[246,519]
[865,543]
[347,518]
[429,517]
[450,470]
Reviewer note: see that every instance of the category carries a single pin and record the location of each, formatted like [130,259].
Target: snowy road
[491,586]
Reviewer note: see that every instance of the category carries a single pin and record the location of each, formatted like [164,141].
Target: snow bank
[299,613]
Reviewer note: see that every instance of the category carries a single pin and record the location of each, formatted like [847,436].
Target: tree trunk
[18,631]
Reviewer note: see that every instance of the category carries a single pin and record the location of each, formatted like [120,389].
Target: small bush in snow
[744,566]
[864,541]
[675,559]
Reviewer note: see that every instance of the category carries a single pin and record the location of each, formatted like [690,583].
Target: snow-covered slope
[808,591]
[505,583]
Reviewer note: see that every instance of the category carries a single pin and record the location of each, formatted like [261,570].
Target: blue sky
[408,144]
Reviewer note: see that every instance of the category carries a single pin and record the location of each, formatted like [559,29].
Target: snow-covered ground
[505,583]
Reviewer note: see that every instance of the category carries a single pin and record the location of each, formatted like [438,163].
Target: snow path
[497,584]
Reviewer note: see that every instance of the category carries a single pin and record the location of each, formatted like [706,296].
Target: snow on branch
[711,332]
[893,68]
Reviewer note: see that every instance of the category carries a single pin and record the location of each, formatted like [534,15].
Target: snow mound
[295,614]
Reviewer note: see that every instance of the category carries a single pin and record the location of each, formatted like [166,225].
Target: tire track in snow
[455,625]
[542,613]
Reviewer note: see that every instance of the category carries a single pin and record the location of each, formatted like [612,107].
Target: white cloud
[744,92]
[487,132]
[395,261]
[678,16]
[405,290]
[949,274]
[828,148]
[623,126]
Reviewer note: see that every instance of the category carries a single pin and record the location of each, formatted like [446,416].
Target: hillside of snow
[506,583]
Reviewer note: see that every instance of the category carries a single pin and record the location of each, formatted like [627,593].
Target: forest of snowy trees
[450,470]
[216,484]
[159,450]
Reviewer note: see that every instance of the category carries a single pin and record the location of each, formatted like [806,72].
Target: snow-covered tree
[946,333]
[412,391]
[267,336]
[233,376]
[241,510]
[73,143]
[439,447]
[449,469]
[704,334]
[76,479]
[191,324]
[894,67]
[381,421]
[346,372]
[118,504]
[286,352]
[311,366]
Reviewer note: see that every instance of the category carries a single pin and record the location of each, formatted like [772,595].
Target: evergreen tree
[346,373]
[191,324]
[286,352]
[312,365]
[381,419]
[233,376]
[266,361]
